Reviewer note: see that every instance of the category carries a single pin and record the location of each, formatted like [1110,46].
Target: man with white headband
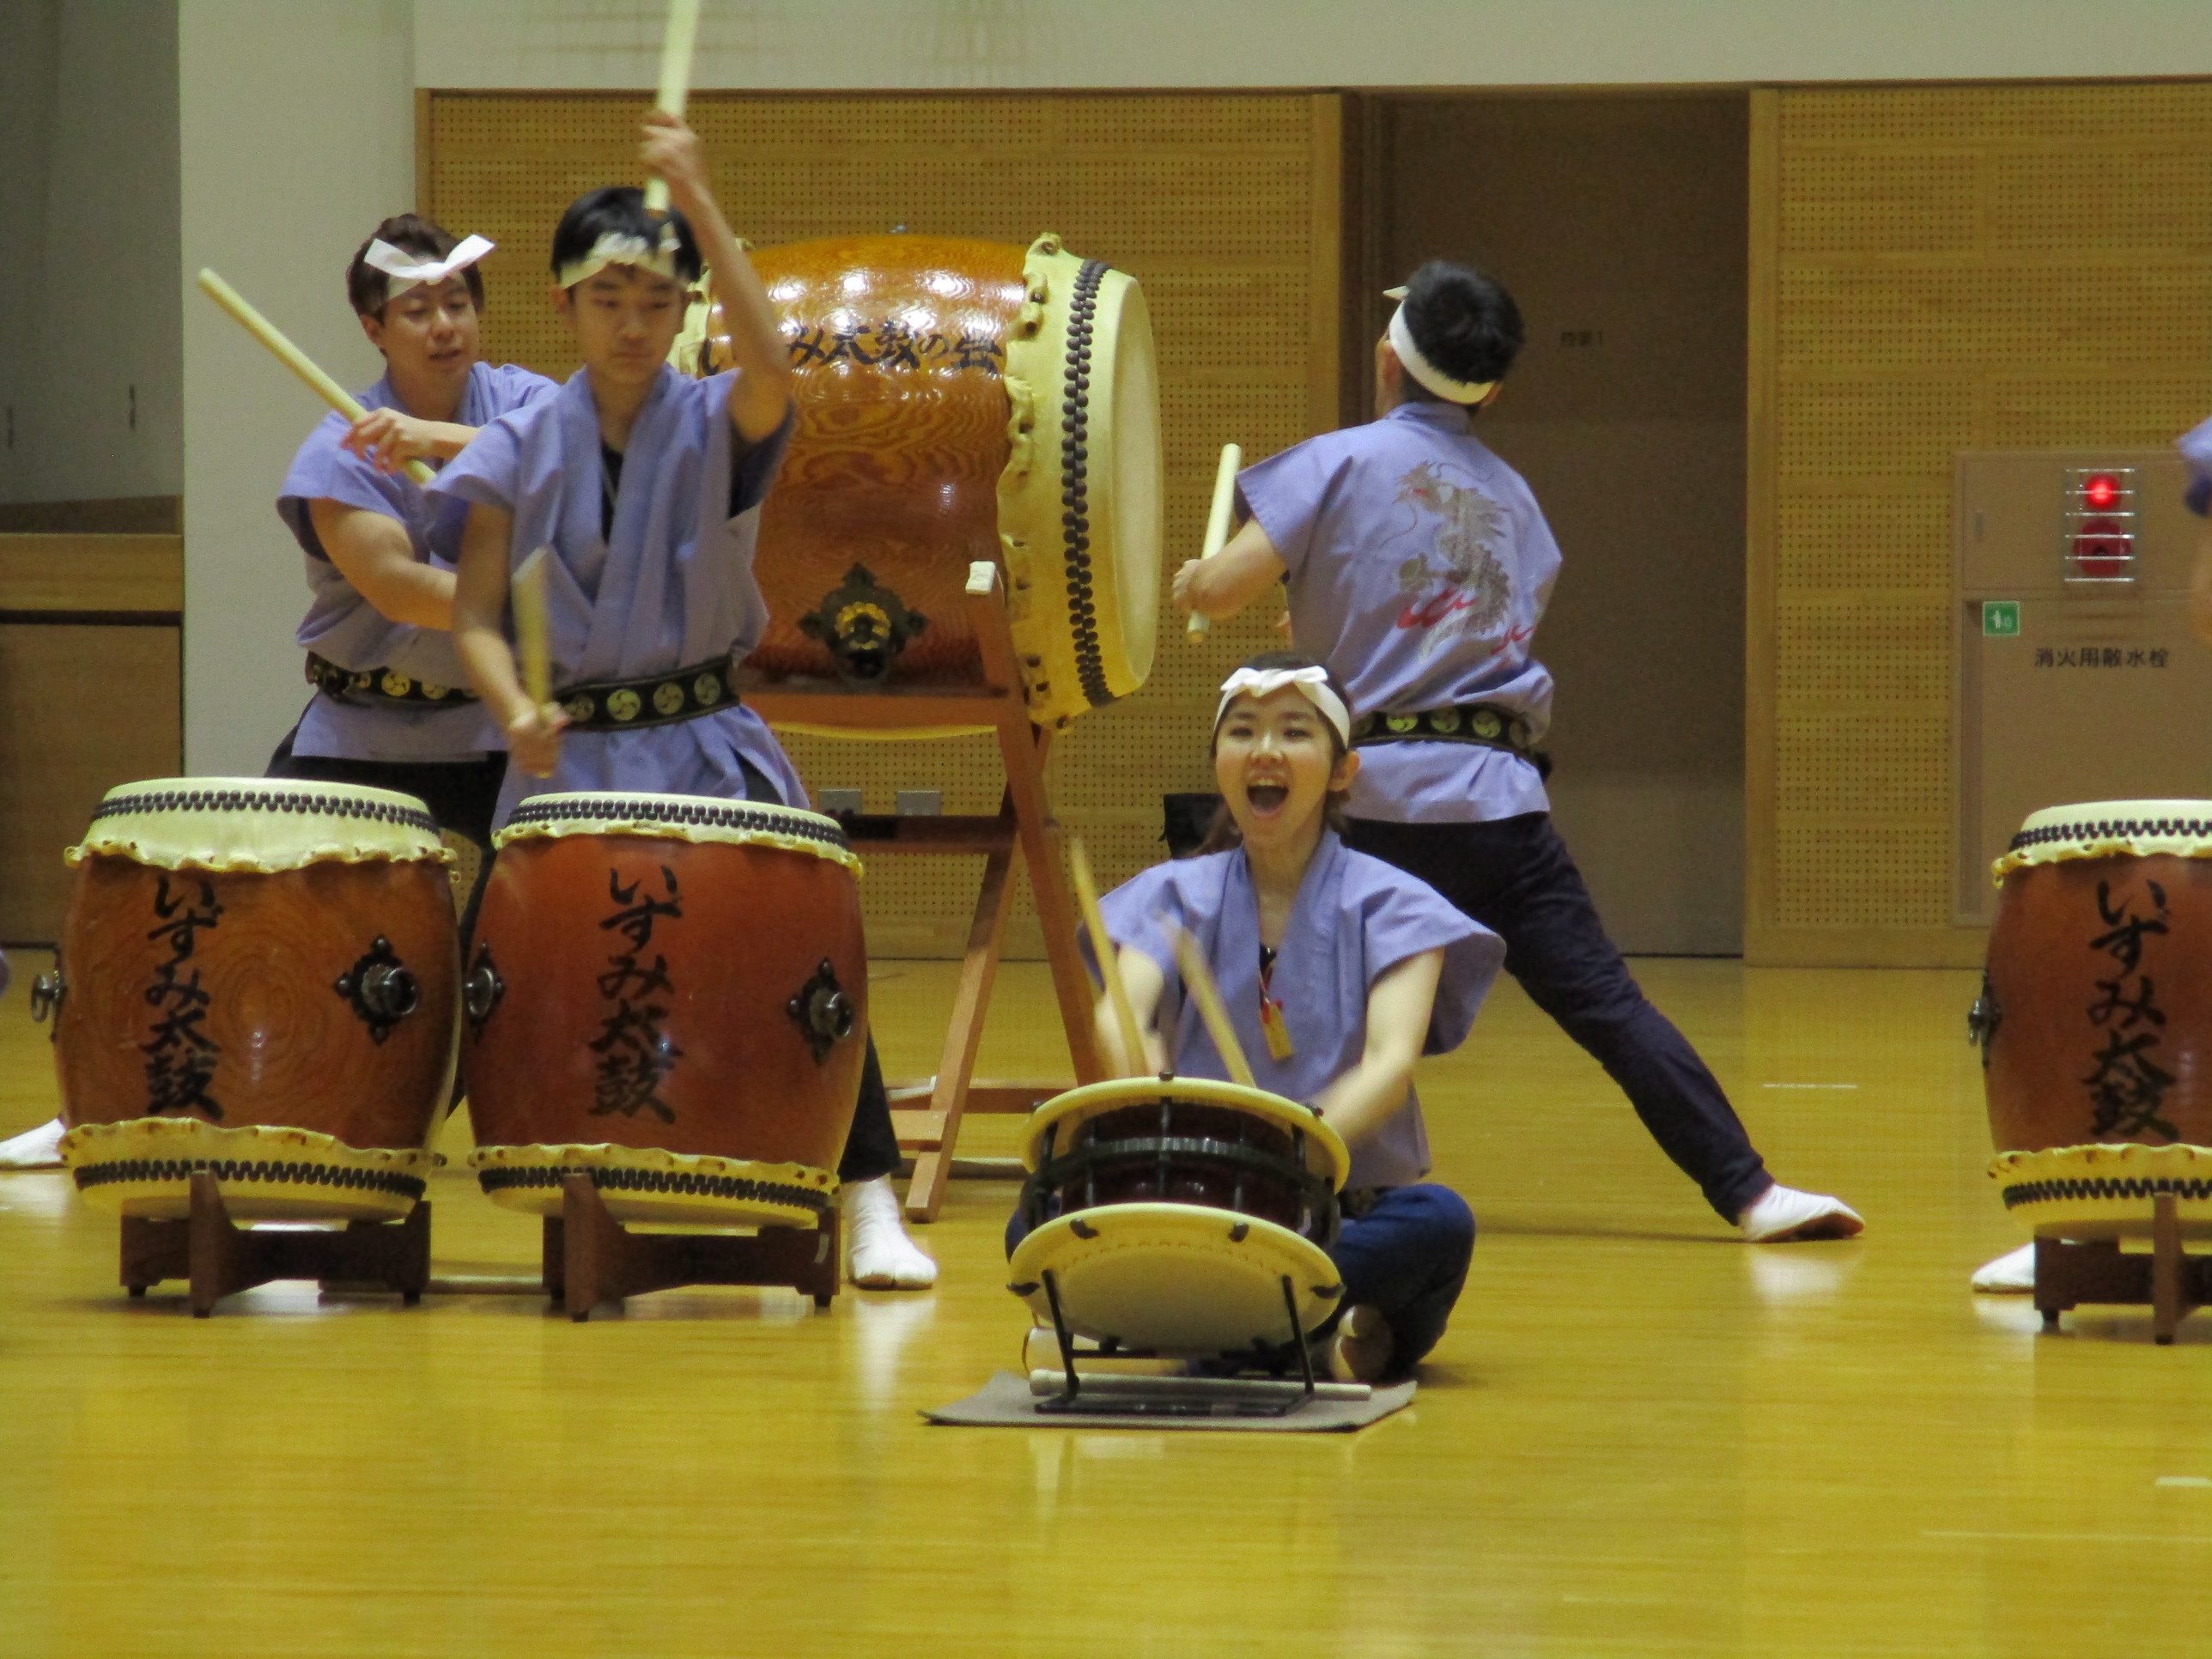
[645,488]
[391,708]
[1419,566]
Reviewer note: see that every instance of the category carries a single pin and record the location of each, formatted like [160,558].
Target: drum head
[2111,828]
[1176,1277]
[257,825]
[2106,1191]
[643,1186]
[700,818]
[144,1167]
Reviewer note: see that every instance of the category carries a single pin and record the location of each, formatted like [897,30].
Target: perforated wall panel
[1957,267]
[1209,200]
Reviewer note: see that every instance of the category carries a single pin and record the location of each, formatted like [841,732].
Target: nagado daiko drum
[961,401]
[670,994]
[1168,1213]
[259,978]
[2095,1017]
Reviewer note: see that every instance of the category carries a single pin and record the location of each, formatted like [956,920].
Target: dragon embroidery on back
[1471,592]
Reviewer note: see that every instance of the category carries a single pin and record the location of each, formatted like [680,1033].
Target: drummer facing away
[1338,972]
[646,488]
[1418,567]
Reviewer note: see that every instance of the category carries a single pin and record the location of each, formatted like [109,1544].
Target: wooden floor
[1640,1438]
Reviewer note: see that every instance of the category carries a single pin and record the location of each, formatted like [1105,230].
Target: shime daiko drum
[669,994]
[260,978]
[2095,1017]
[1168,1214]
[961,401]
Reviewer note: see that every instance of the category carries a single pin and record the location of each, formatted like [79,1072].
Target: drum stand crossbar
[218,1257]
[591,1258]
[2171,1282]
[1023,822]
[1119,1394]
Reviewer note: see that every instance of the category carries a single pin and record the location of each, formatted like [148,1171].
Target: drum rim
[1090,1099]
[389,1180]
[2110,829]
[257,825]
[652,815]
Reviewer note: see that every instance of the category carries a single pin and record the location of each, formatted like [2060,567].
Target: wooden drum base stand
[2169,1280]
[591,1258]
[1022,822]
[218,1257]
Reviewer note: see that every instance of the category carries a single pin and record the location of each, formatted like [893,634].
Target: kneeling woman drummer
[1339,971]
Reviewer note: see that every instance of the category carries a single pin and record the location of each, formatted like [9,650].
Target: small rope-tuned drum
[961,401]
[669,994]
[2095,1018]
[256,977]
[1168,1213]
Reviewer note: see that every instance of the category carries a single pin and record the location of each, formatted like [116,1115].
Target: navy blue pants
[1514,876]
[1407,1256]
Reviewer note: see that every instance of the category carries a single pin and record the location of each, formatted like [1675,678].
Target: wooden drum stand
[1024,820]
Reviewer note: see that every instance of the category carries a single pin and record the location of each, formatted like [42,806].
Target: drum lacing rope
[651,809]
[1074,471]
[2074,1186]
[2110,829]
[258,800]
[243,1170]
[689,1183]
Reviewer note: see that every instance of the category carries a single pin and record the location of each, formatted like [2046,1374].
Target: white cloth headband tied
[1311,682]
[403,270]
[617,247]
[1418,366]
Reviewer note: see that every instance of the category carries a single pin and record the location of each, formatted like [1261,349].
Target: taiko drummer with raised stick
[390,707]
[1281,960]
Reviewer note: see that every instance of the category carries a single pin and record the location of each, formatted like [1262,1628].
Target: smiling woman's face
[1275,762]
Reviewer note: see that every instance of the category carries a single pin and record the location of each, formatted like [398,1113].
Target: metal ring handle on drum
[382,989]
[825,1016]
[481,990]
[47,991]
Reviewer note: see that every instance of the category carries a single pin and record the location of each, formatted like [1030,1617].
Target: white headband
[1418,366]
[1313,683]
[403,270]
[621,248]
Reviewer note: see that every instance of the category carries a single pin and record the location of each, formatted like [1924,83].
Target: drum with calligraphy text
[670,994]
[1180,1215]
[260,978]
[959,401]
[2095,1017]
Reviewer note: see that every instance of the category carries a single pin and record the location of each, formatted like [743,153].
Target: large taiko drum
[2095,1018]
[260,978]
[670,994]
[961,401]
[1168,1214]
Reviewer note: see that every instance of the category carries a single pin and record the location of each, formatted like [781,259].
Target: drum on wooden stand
[669,994]
[1168,1214]
[2095,1018]
[960,401]
[257,978]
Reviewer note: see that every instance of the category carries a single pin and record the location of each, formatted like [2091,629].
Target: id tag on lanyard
[1279,1046]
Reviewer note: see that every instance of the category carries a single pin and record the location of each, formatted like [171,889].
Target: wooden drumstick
[1198,979]
[292,358]
[532,632]
[676,43]
[1217,521]
[1109,965]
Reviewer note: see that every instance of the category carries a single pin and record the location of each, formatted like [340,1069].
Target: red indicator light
[2101,491]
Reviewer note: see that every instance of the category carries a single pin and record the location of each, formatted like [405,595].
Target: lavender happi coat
[344,628]
[1419,565]
[671,586]
[1355,918]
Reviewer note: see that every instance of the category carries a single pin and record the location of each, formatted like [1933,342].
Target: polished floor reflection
[1640,1438]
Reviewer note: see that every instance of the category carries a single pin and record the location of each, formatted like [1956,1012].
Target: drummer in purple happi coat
[645,487]
[1419,566]
[1338,972]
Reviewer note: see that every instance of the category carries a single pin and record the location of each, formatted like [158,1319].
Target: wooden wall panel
[83,708]
[1936,268]
[1224,206]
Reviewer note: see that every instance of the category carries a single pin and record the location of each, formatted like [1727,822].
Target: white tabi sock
[1783,1215]
[2012,1273]
[33,1149]
[878,1255]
